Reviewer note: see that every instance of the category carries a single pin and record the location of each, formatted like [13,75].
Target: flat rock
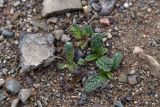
[36,49]
[12,86]
[56,6]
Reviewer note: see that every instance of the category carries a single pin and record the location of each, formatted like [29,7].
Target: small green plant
[69,55]
[106,67]
[97,48]
[80,33]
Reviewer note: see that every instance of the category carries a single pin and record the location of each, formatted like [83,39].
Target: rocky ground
[28,73]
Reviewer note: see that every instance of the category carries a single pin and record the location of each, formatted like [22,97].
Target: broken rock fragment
[36,49]
[56,6]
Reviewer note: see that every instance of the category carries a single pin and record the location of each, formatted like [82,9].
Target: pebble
[84,2]
[12,86]
[1,39]
[15,102]
[24,94]
[98,30]
[65,38]
[122,78]
[17,3]
[58,34]
[132,79]
[2,3]
[39,103]
[104,21]
[107,6]
[52,20]
[2,81]
[78,54]
[127,5]
[109,35]
[2,95]
[96,6]
[7,34]
[132,72]
[118,104]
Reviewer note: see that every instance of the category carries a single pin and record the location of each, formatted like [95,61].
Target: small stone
[4,70]
[96,6]
[118,104]
[12,86]
[98,30]
[24,94]
[132,72]
[52,20]
[84,2]
[17,3]
[2,3]
[109,36]
[58,34]
[2,95]
[15,102]
[39,23]
[16,42]
[65,38]
[127,5]
[2,81]
[104,21]
[107,6]
[39,103]
[7,34]
[1,39]
[132,79]
[122,78]
[137,50]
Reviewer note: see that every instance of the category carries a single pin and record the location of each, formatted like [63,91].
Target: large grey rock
[12,86]
[36,49]
[56,6]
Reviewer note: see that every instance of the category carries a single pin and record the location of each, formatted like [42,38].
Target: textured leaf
[87,30]
[76,32]
[117,58]
[61,66]
[94,82]
[102,51]
[104,63]
[72,66]
[69,52]
[91,57]
[96,43]
[81,61]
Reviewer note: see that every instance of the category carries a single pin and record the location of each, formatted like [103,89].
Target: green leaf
[102,51]
[87,30]
[96,43]
[109,75]
[81,61]
[76,32]
[104,63]
[72,66]
[117,58]
[69,52]
[91,57]
[94,82]
[61,66]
